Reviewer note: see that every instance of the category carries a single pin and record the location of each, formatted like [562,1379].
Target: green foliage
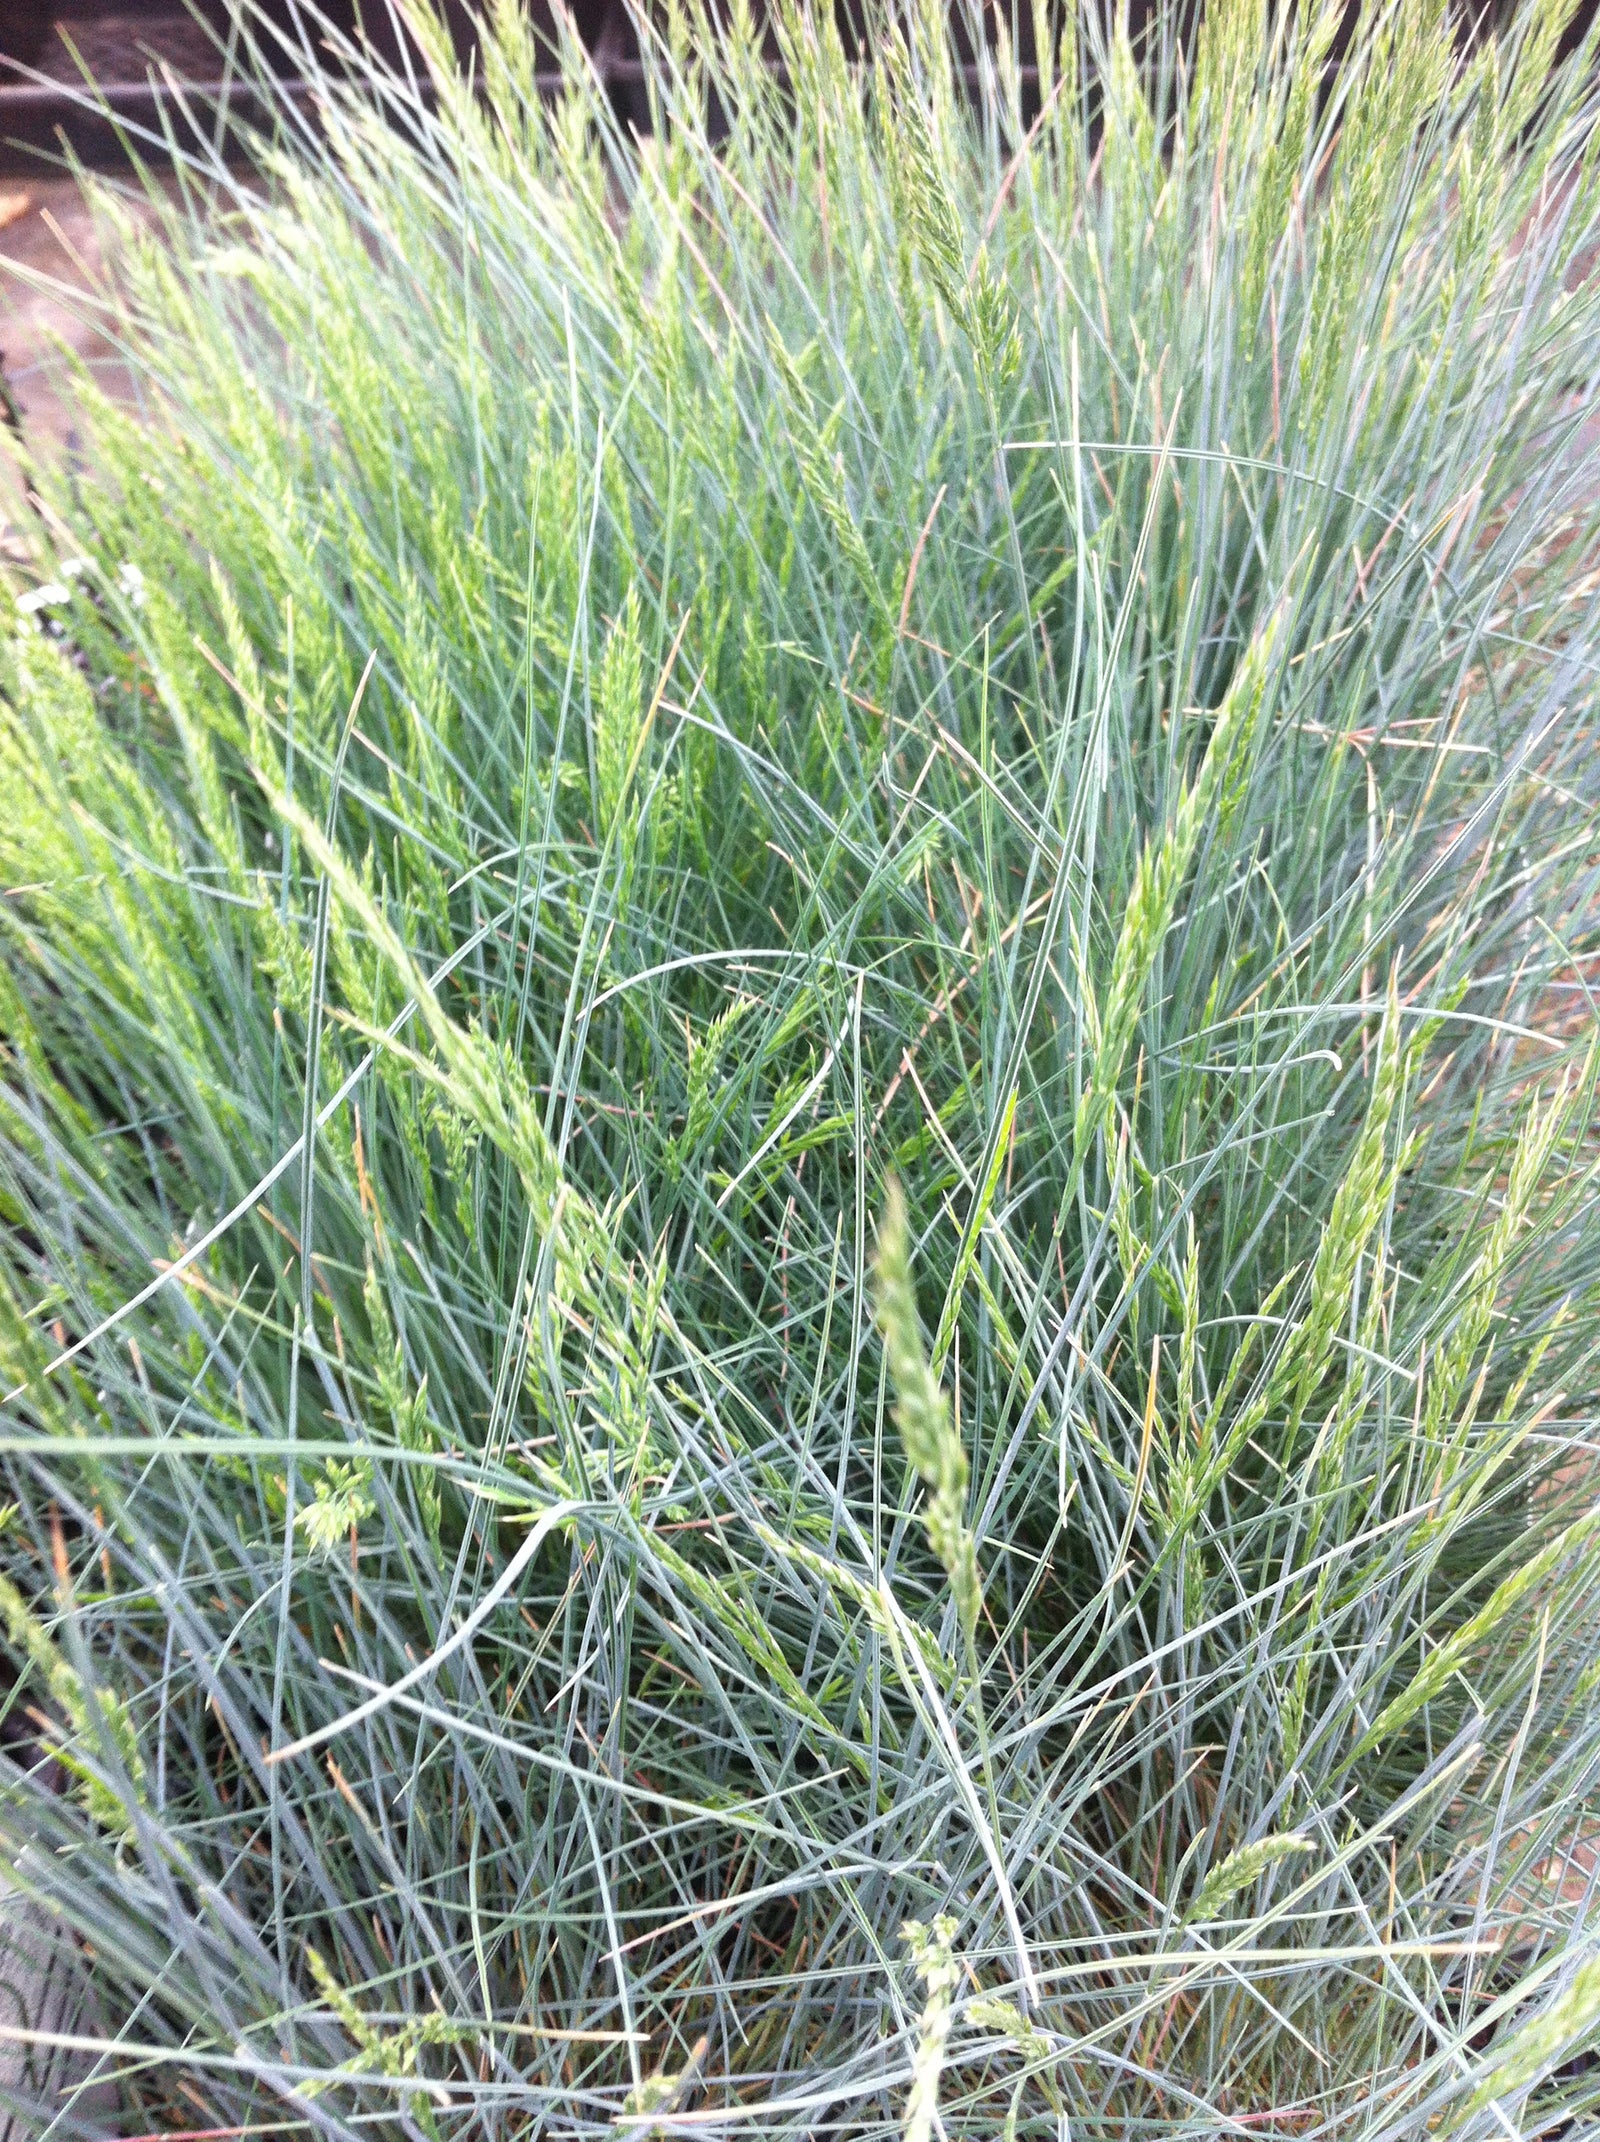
[613,698]
[95,1736]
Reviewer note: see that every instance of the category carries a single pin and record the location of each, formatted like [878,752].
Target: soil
[47,233]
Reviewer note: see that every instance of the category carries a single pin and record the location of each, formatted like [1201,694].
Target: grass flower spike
[922,1414]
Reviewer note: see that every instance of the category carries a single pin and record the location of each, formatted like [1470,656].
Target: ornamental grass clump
[1029,637]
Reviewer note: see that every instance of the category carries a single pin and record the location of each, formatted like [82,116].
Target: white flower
[74,568]
[131,582]
[43,598]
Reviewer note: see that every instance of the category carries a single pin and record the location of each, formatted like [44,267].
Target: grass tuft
[607,701]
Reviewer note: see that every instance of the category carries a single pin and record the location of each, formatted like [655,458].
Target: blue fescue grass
[609,698]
